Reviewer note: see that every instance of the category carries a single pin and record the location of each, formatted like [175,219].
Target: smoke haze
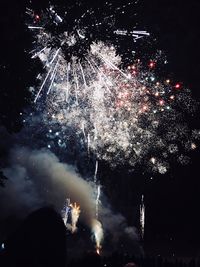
[37,178]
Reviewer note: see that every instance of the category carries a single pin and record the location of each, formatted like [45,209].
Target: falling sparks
[71,212]
[142,216]
[97,191]
[91,104]
[119,115]
[98,194]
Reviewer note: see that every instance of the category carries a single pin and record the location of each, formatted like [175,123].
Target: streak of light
[38,53]
[35,27]
[83,75]
[53,75]
[54,57]
[41,87]
[67,88]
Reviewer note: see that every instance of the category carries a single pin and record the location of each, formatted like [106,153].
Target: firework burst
[123,116]
[89,105]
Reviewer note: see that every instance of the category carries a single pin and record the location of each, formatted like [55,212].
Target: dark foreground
[31,246]
[117,260]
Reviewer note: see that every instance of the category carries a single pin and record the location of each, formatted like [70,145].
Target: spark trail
[124,116]
[142,216]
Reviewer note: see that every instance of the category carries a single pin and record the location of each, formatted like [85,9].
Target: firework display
[123,114]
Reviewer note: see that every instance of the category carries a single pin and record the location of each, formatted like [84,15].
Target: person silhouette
[39,241]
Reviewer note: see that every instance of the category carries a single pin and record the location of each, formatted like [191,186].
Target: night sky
[171,200]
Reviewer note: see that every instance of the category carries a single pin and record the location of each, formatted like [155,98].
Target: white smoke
[116,224]
[37,177]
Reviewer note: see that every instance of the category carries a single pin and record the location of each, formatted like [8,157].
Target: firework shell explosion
[126,116]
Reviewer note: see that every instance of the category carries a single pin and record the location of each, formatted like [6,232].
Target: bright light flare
[75,213]
[98,234]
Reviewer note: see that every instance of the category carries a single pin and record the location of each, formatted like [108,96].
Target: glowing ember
[98,251]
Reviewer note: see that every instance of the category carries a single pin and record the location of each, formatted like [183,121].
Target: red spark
[152,64]
[134,72]
[178,86]
[37,18]
[161,102]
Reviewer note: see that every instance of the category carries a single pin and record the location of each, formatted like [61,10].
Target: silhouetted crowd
[41,242]
[119,260]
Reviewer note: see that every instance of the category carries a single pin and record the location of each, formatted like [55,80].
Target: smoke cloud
[51,181]
[37,178]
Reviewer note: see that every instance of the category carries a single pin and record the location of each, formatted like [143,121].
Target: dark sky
[172,200]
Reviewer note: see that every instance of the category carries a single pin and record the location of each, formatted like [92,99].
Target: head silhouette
[40,240]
